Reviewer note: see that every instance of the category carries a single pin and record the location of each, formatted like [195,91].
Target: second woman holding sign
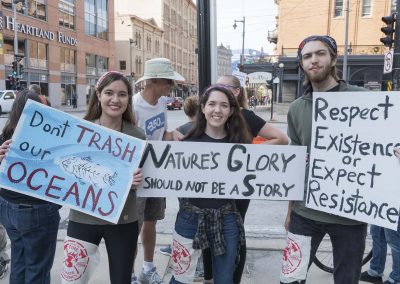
[110,107]
[214,223]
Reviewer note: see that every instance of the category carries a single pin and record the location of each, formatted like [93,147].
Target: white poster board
[223,170]
[353,172]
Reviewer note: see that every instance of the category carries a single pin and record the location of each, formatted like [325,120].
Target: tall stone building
[175,22]
[224,58]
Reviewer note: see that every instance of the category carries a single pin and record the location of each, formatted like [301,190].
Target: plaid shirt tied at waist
[212,220]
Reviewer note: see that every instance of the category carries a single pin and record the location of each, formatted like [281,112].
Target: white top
[151,118]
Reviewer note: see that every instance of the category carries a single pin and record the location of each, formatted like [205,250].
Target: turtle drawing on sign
[87,171]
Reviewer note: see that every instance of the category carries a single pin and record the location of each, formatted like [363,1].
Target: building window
[68,90]
[122,65]
[37,57]
[66,17]
[96,65]
[148,43]
[366,8]
[67,60]
[34,8]
[138,38]
[138,64]
[96,18]
[338,8]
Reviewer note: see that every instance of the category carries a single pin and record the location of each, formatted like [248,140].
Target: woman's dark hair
[235,126]
[94,108]
[16,111]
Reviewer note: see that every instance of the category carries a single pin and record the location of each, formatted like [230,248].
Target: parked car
[173,103]
[7,98]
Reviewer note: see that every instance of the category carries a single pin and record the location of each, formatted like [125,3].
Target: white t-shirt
[151,118]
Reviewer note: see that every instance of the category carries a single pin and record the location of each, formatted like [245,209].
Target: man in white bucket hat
[151,115]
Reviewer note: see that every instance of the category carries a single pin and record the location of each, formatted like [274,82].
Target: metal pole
[14,5]
[396,51]
[204,47]
[273,92]
[280,84]
[130,59]
[346,43]
[242,59]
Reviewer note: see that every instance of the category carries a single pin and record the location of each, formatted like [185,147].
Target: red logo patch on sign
[181,258]
[292,256]
[75,262]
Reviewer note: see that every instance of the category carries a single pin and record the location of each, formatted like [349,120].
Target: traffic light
[14,68]
[388,30]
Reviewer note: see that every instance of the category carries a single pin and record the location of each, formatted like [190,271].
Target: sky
[260,17]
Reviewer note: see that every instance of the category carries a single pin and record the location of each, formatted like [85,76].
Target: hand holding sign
[137,178]
[397,152]
[4,148]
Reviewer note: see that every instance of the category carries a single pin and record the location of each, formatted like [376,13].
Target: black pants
[242,205]
[120,241]
[348,244]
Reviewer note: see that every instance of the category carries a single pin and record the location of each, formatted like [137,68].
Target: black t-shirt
[214,203]
[253,121]
[18,198]
[184,129]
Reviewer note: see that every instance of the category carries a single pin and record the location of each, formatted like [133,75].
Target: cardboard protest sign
[353,172]
[223,170]
[69,161]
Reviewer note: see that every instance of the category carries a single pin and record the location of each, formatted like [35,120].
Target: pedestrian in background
[381,237]
[219,121]
[31,223]
[190,107]
[307,227]
[110,107]
[151,115]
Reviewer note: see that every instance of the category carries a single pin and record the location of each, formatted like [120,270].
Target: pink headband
[105,75]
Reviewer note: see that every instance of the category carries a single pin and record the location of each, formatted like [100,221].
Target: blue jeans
[222,265]
[381,237]
[32,230]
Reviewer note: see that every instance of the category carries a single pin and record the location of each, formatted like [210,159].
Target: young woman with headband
[111,107]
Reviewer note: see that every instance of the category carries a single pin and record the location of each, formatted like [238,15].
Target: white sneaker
[151,277]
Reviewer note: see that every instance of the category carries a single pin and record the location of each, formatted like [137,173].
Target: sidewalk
[280,112]
[263,263]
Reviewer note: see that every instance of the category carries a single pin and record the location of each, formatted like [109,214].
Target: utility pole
[204,46]
[346,43]
[244,32]
[396,51]
[16,57]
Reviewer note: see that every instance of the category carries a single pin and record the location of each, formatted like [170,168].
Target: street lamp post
[244,28]
[281,65]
